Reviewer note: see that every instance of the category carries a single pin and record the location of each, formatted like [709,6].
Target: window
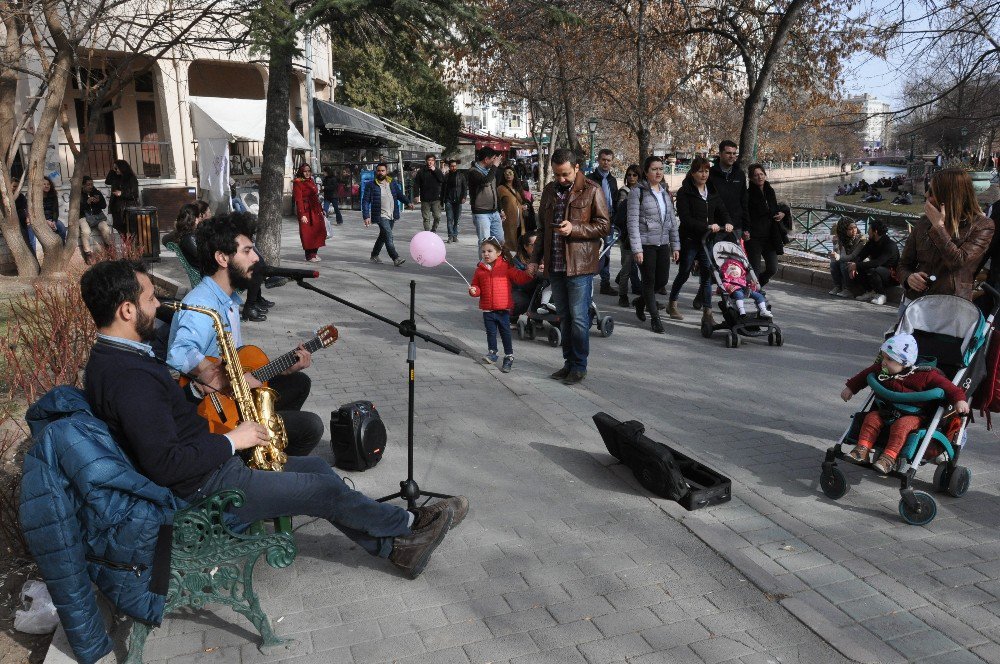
[144,82]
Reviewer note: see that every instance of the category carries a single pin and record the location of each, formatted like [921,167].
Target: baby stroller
[534,322]
[952,335]
[750,326]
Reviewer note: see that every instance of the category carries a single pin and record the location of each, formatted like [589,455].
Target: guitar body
[251,358]
[220,410]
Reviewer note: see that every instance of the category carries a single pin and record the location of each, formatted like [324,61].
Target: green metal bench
[194,276]
[212,564]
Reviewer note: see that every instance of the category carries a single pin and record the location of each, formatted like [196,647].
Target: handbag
[94,218]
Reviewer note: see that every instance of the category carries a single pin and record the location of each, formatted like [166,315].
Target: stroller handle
[906,398]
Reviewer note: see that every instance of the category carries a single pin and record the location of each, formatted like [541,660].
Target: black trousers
[878,279]
[758,251]
[256,281]
[304,429]
[655,271]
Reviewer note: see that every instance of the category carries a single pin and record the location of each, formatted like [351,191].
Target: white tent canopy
[218,121]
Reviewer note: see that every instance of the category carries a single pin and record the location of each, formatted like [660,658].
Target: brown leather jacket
[953,261]
[587,210]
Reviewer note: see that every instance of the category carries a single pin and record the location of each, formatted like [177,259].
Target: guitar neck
[277,366]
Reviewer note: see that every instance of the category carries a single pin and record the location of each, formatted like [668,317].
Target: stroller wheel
[941,476]
[778,341]
[959,482]
[706,330]
[522,329]
[555,337]
[834,483]
[924,513]
[732,339]
[607,326]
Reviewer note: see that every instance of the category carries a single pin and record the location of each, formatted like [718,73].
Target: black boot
[640,309]
[656,325]
[623,299]
[253,314]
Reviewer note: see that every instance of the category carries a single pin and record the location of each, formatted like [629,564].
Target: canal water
[813,193]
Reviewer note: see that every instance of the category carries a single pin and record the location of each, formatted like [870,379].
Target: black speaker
[357,436]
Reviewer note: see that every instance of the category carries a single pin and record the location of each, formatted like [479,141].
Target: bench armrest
[908,398]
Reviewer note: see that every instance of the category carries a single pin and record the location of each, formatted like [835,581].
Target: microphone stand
[408,489]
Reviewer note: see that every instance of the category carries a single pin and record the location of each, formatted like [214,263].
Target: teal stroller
[952,335]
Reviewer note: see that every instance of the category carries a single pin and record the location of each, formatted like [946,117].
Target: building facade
[877,132]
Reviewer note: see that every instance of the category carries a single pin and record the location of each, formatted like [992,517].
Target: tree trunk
[272,172]
[754,103]
[642,135]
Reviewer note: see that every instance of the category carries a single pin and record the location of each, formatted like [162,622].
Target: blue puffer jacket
[89,516]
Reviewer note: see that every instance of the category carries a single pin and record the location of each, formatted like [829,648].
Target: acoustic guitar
[220,410]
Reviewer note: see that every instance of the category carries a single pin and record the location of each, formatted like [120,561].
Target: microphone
[290,273]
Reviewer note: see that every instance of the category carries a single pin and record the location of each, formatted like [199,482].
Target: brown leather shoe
[424,515]
[411,553]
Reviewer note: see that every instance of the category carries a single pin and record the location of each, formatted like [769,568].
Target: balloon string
[459,273]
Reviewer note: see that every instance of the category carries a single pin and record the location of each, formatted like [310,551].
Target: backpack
[620,220]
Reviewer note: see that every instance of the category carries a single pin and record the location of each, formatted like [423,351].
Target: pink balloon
[427,248]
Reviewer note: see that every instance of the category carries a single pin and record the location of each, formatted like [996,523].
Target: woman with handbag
[764,243]
[92,206]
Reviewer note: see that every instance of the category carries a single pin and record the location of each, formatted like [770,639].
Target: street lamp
[592,126]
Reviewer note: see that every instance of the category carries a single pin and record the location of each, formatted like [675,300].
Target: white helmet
[901,348]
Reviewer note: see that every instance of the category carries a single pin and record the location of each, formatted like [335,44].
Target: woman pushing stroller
[897,370]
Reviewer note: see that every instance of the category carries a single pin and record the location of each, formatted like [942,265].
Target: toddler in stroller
[734,282]
[897,370]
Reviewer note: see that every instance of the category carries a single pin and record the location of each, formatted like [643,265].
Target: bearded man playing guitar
[227,260]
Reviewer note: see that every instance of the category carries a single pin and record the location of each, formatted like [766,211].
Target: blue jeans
[756,296]
[572,296]
[688,256]
[838,270]
[327,202]
[385,238]
[498,321]
[452,210]
[309,487]
[488,224]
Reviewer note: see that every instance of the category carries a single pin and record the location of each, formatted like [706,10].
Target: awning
[344,119]
[235,120]
[498,143]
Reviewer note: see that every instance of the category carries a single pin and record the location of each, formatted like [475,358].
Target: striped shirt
[557,258]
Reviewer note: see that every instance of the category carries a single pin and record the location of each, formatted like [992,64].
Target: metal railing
[813,228]
[772,165]
[148,159]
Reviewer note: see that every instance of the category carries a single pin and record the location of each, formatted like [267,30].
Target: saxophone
[252,404]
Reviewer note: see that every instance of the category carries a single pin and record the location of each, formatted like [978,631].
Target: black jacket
[153,419]
[732,189]
[883,253]
[427,184]
[455,187]
[612,185]
[696,213]
[50,205]
[331,185]
[764,229]
[92,208]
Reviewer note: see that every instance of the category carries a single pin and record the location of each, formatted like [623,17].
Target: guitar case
[661,469]
[357,436]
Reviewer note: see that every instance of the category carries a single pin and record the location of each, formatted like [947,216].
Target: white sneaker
[835,291]
[878,299]
[866,296]
[764,312]
[541,310]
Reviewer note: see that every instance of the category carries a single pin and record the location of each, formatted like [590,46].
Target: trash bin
[141,224]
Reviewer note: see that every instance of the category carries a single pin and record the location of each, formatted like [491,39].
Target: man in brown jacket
[573,220]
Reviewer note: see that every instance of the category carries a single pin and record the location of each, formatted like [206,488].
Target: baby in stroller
[734,282]
[898,371]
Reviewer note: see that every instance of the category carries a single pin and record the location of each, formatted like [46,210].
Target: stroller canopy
[946,315]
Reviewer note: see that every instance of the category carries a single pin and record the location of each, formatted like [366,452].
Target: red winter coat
[918,381]
[306,195]
[492,284]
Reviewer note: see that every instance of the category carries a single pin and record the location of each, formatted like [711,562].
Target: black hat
[485,152]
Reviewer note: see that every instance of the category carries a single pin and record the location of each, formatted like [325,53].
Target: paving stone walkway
[563,557]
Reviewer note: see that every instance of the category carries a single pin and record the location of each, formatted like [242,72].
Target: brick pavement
[564,558]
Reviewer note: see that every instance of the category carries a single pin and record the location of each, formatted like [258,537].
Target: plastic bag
[40,617]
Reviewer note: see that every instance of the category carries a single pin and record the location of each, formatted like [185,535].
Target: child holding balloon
[491,284]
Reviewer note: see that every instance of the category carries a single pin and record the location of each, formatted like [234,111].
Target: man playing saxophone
[227,261]
[157,424]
